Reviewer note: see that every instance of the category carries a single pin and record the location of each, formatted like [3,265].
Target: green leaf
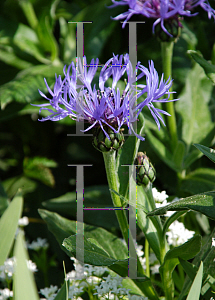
[62,228]
[23,90]
[8,226]
[63,292]
[11,59]
[193,107]
[203,203]
[145,224]
[194,292]
[27,41]
[24,284]
[94,196]
[115,254]
[207,66]
[11,185]
[68,40]
[38,168]
[170,220]
[93,254]
[209,152]
[46,37]
[186,251]
[189,268]
[206,255]
[191,157]
[199,181]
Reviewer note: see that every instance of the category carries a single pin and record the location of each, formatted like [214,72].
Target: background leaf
[8,226]
[193,107]
[207,66]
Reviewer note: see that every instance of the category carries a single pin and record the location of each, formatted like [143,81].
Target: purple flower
[162,10]
[108,105]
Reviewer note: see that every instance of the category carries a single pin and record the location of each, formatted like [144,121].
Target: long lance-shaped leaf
[8,226]
[194,292]
[203,203]
[209,152]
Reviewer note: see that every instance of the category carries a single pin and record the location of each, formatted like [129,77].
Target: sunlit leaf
[8,226]
[194,292]
[203,203]
[24,284]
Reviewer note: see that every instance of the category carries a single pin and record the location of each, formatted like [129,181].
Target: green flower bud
[103,144]
[145,172]
[172,26]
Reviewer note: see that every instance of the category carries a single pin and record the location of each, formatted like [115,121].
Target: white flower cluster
[24,221]
[38,244]
[5,294]
[111,286]
[50,292]
[161,200]
[7,270]
[177,233]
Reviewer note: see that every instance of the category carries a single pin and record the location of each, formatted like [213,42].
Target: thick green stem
[168,284]
[147,257]
[113,182]
[166,52]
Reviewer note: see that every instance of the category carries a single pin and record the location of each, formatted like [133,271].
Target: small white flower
[213,242]
[38,244]
[24,221]
[5,294]
[32,266]
[139,250]
[74,291]
[111,286]
[7,270]
[155,269]
[159,196]
[178,234]
[50,292]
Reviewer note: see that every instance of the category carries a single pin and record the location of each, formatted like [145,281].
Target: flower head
[106,106]
[162,10]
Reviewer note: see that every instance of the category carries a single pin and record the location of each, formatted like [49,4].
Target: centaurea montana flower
[106,107]
[162,10]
